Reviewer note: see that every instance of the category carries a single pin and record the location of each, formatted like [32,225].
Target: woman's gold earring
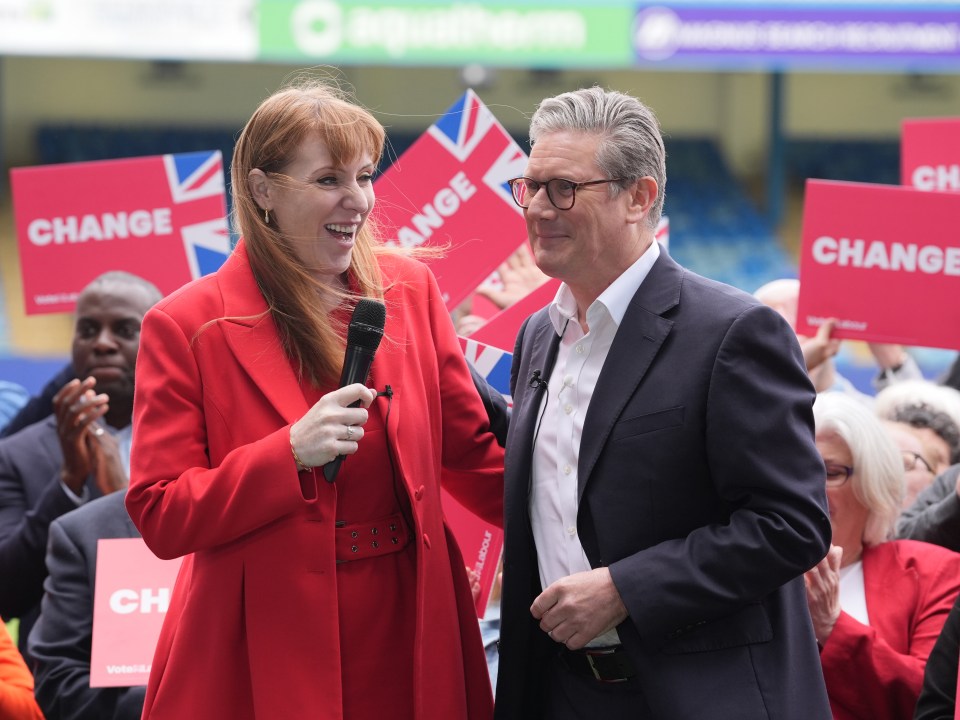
[266,215]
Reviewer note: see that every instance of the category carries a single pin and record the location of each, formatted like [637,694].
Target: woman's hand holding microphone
[331,427]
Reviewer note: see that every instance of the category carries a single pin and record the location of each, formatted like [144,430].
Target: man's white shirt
[556,451]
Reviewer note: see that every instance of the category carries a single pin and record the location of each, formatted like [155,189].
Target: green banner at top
[451,33]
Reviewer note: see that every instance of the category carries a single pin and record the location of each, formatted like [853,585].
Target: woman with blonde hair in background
[877,604]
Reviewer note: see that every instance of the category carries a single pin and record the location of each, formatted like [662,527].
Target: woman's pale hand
[331,427]
[823,593]
[519,276]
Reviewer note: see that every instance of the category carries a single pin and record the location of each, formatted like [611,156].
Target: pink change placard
[449,189]
[884,260]
[133,589]
[930,154]
[162,218]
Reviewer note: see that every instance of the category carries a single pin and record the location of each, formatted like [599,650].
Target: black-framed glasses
[915,461]
[837,475]
[561,192]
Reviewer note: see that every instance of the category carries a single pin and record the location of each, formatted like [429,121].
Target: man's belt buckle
[591,654]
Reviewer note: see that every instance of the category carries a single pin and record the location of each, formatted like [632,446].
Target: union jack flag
[449,189]
[463,126]
[194,176]
[207,246]
[492,363]
[461,129]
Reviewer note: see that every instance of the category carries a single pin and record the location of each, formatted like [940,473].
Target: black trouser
[572,696]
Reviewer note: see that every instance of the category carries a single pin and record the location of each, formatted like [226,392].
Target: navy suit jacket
[31,497]
[62,637]
[702,490]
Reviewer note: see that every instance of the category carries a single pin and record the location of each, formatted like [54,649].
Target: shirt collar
[616,298]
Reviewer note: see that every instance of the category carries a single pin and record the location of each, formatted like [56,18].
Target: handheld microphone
[363,338]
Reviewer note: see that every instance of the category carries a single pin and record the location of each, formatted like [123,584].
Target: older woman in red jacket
[877,604]
[307,595]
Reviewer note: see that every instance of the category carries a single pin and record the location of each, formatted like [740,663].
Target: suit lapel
[638,340]
[543,345]
[253,339]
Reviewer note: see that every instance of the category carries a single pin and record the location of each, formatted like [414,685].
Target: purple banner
[795,36]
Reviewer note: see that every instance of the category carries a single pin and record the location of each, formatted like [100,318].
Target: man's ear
[643,196]
[259,188]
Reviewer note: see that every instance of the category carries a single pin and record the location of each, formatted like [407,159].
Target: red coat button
[426,540]
[418,493]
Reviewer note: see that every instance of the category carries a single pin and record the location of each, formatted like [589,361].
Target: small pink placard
[133,590]
[930,154]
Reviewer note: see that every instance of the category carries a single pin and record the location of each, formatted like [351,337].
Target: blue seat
[715,228]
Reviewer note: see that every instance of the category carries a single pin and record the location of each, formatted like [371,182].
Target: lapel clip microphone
[536,382]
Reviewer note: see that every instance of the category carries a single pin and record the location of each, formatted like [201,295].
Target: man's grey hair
[631,145]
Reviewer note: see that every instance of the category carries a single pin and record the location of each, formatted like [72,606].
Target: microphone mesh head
[366,324]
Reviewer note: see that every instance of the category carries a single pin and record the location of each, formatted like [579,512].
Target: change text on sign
[939,177]
[445,203]
[108,226]
[146,600]
[897,257]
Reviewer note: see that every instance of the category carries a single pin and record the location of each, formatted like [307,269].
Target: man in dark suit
[62,637]
[663,491]
[82,450]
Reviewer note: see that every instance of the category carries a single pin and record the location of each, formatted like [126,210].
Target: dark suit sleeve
[939,694]
[494,404]
[934,516]
[517,355]
[23,530]
[13,495]
[61,640]
[765,470]
[22,553]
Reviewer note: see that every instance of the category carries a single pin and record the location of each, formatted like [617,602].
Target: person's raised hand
[467,325]
[823,593]
[819,348]
[519,276]
[475,587]
[108,471]
[77,409]
[888,355]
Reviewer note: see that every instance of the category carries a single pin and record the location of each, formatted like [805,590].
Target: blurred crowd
[882,603]
[879,600]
